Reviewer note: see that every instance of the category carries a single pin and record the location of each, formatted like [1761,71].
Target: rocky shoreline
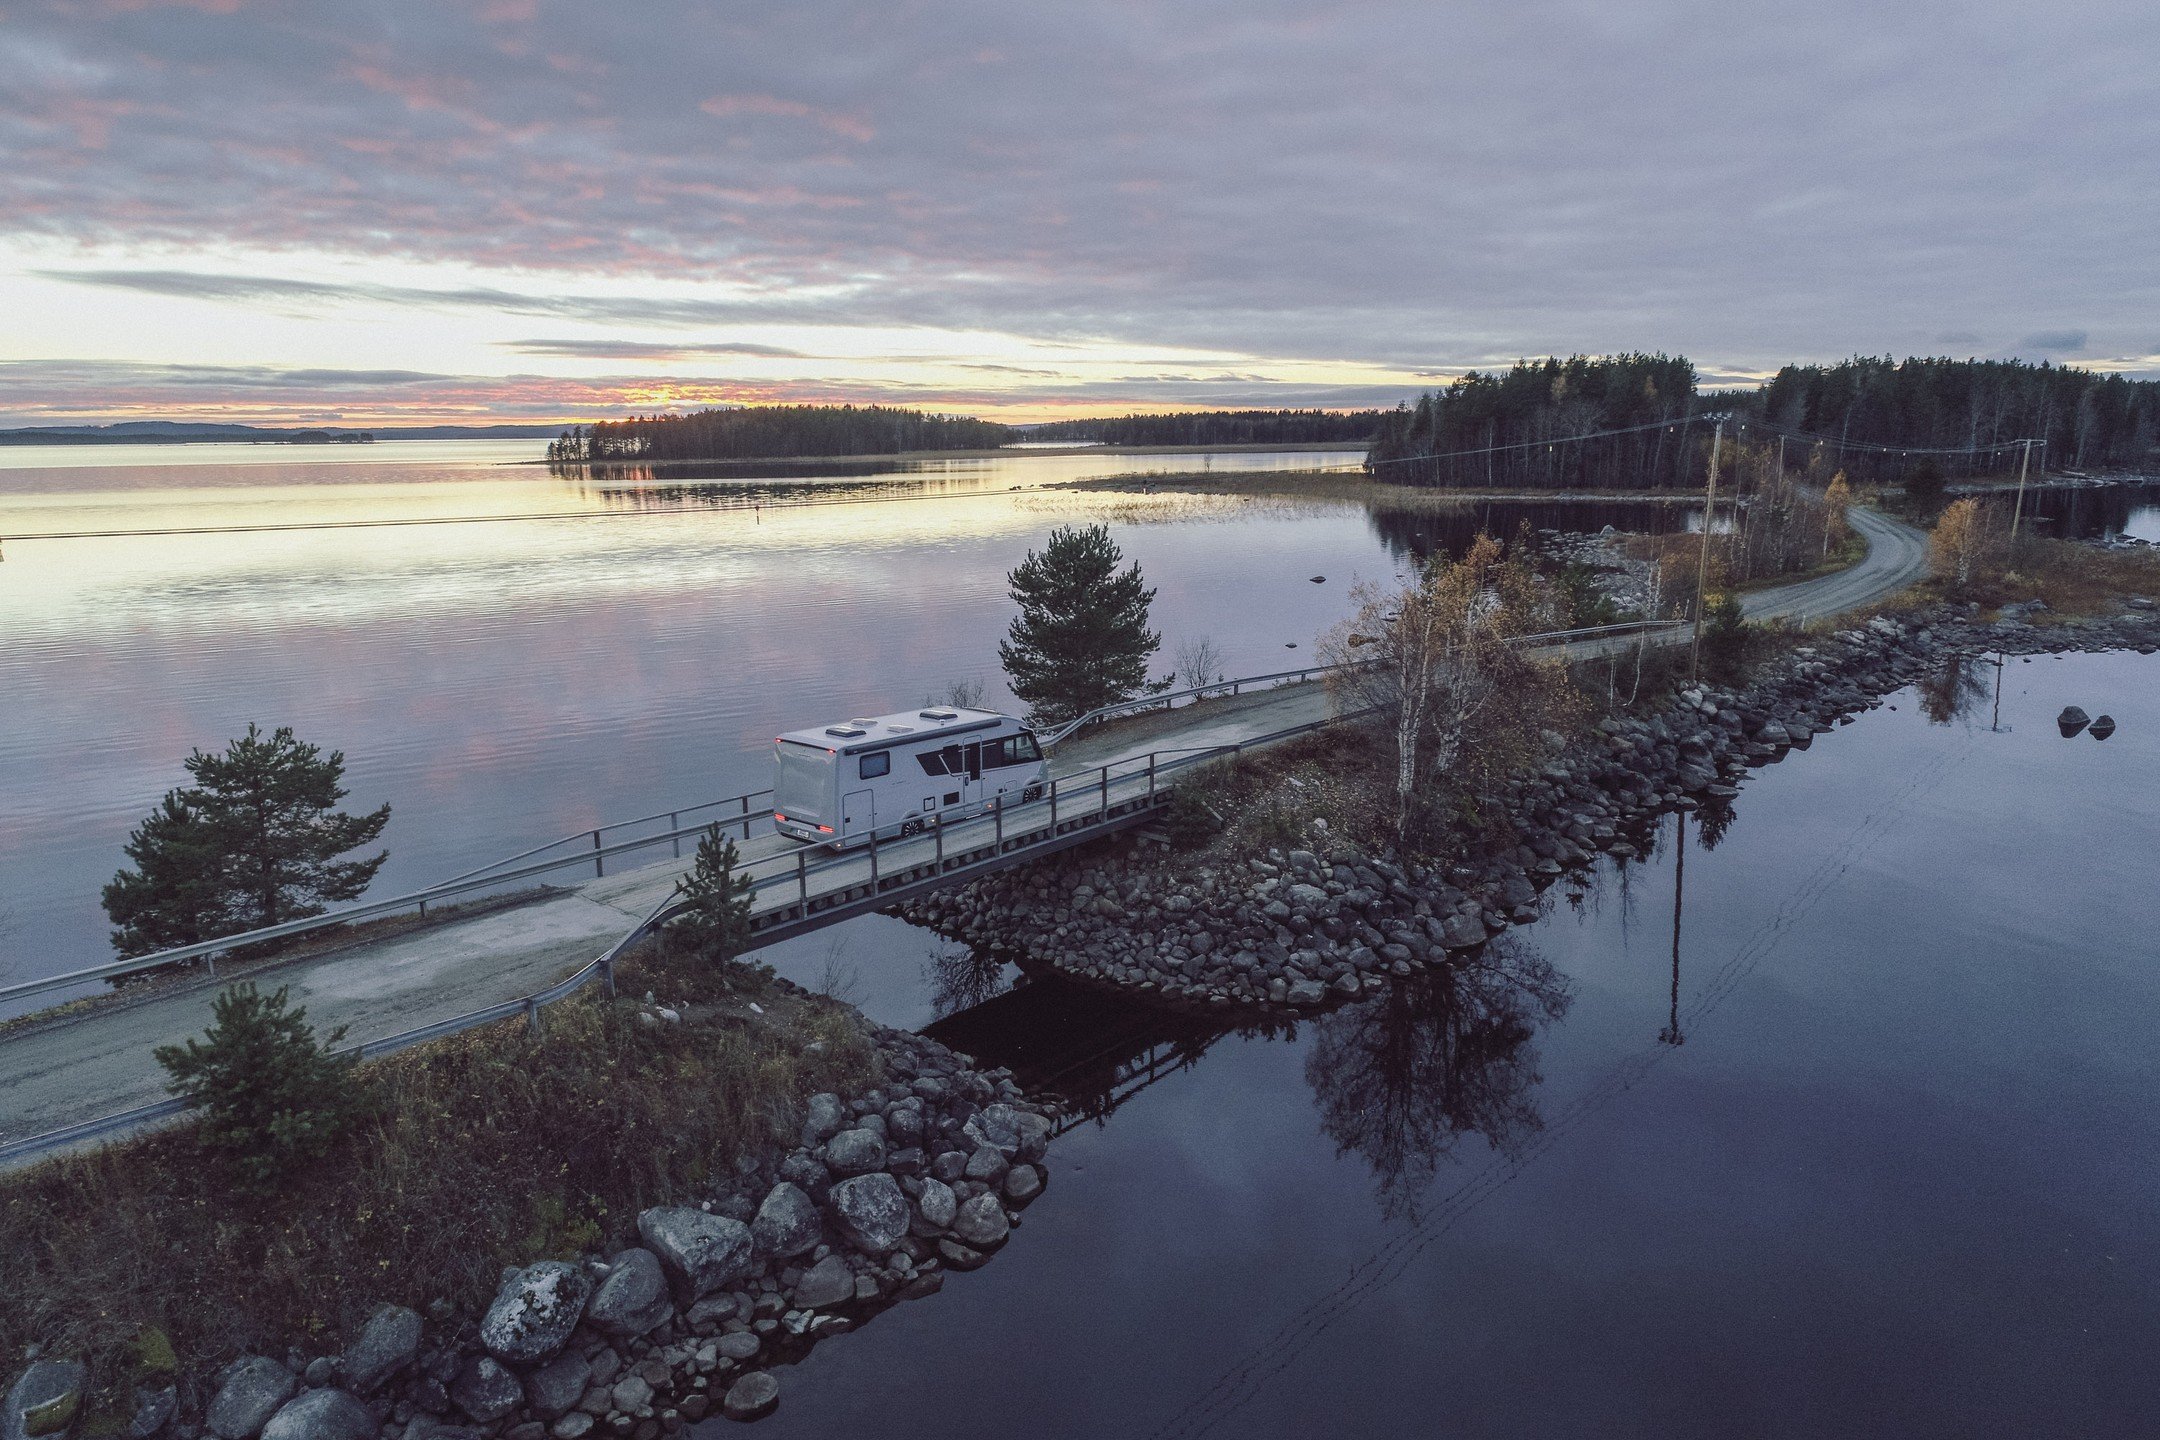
[882,1195]
[1302,928]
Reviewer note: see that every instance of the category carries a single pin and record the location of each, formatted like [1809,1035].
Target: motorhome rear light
[824,829]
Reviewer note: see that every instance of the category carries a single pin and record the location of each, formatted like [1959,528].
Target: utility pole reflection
[1671,1033]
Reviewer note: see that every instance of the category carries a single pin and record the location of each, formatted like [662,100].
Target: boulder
[253,1390]
[44,1398]
[1017,1134]
[630,1394]
[701,1253]
[855,1152]
[485,1390]
[386,1345]
[1305,993]
[986,1165]
[825,1117]
[556,1387]
[1023,1183]
[153,1411]
[981,1222]
[755,1394]
[1462,932]
[427,1427]
[739,1346]
[825,1284]
[787,1223]
[938,1204]
[2072,720]
[872,1211]
[2102,727]
[322,1415]
[634,1296]
[534,1312]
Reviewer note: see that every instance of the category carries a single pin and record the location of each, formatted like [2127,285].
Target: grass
[2075,580]
[482,1150]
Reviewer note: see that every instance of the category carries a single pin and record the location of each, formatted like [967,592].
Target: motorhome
[892,775]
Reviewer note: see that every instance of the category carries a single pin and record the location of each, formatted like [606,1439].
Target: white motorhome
[892,775]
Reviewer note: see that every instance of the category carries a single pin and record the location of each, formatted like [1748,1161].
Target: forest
[1876,420]
[1501,430]
[2087,419]
[1219,427]
[765,432]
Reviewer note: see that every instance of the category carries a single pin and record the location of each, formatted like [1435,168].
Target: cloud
[1273,179]
[2054,342]
[648,349]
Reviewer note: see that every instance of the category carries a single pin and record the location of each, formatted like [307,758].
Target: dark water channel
[1834,1117]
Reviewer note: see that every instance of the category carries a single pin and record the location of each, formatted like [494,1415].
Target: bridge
[554,919]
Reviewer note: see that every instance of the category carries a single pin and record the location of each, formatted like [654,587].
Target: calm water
[2097,512]
[1897,1176]
[508,681]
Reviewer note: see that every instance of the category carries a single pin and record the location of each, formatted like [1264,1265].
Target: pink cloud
[851,127]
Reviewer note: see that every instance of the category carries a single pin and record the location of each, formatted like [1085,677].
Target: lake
[512,679]
[1846,1124]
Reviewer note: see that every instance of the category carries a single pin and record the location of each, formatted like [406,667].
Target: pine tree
[253,842]
[715,920]
[1081,639]
[272,1097]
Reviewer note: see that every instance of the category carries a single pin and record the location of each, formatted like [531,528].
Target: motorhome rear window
[803,789]
[876,765]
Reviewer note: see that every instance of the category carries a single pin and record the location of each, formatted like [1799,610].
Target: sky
[515,210]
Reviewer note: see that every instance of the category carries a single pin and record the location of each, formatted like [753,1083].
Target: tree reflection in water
[1955,688]
[962,977]
[1401,1078]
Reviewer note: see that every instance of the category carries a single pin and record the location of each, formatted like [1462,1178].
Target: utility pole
[2017,512]
[1702,565]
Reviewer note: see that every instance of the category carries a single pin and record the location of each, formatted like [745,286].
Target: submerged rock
[2072,720]
[2102,727]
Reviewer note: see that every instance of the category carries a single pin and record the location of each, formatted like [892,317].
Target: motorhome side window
[876,765]
[1014,750]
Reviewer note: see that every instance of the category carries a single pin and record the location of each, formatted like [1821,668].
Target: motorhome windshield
[804,786]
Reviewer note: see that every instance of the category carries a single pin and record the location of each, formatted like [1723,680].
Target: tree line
[1219,427]
[1872,418]
[764,432]
[2086,418]
[1515,430]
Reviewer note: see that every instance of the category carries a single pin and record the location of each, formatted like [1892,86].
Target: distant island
[779,432]
[184,432]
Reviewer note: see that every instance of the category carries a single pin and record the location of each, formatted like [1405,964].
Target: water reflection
[1403,1078]
[1957,687]
[2092,512]
[1415,535]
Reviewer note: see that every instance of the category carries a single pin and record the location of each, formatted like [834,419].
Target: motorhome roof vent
[846,732]
[939,714]
[900,729]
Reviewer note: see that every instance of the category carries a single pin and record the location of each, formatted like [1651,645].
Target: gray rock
[573,1426]
[872,1211]
[631,1394]
[787,1222]
[1305,993]
[981,1222]
[534,1312]
[986,1165]
[386,1345]
[1023,1183]
[322,1415]
[950,1165]
[320,1372]
[1462,932]
[855,1152]
[2072,719]
[938,1204]
[556,1387]
[825,1284]
[153,1411]
[825,1117]
[254,1388]
[2102,727]
[755,1394]
[485,1390]
[1017,1134]
[701,1253]
[44,1398]
[634,1296]
[427,1427]
[739,1346]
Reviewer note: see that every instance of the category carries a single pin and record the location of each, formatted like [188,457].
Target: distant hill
[1219,427]
[192,432]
